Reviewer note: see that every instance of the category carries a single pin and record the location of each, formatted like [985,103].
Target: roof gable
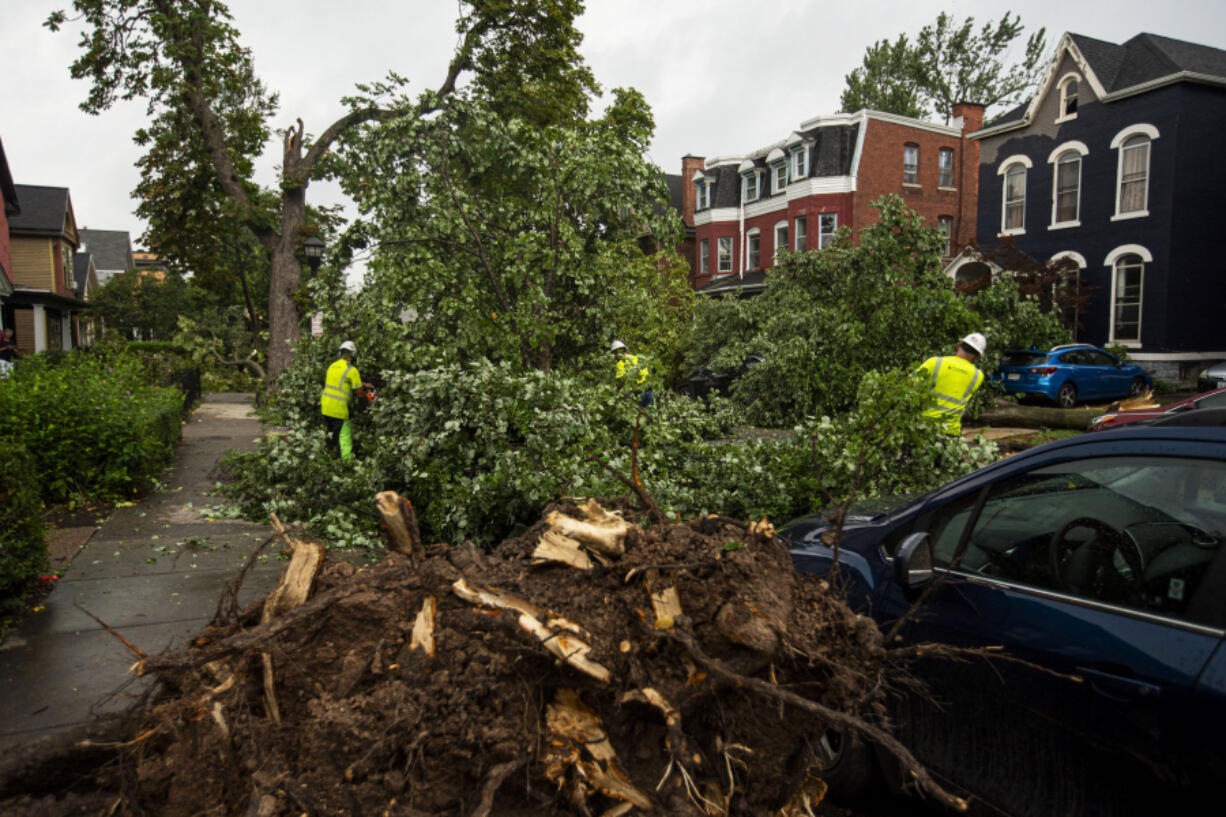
[111,249]
[44,211]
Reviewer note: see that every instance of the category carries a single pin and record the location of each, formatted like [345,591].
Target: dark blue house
[1118,164]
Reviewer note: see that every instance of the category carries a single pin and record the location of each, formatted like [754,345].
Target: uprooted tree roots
[590,666]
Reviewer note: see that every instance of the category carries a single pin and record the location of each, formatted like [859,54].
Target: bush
[93,424]
[23,549]
[481,448]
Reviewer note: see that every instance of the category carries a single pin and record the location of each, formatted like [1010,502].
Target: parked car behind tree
[1070,374]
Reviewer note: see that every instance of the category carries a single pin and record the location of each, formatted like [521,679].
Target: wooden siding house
[44,241]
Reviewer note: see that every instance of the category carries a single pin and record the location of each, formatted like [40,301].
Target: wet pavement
[153,572]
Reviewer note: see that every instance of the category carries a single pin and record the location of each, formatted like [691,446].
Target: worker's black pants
[334,425]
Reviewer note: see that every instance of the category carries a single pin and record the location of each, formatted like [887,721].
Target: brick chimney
[689,166]
[968,116]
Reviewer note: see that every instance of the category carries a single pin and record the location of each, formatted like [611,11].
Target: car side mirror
[913,562]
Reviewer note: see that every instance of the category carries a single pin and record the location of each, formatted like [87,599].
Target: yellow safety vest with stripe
[953,380]
[628,364]
[339,385]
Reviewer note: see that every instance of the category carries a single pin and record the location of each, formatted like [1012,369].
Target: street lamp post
[314,250]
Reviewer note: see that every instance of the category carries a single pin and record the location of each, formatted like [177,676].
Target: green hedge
[93,425]
[23,550]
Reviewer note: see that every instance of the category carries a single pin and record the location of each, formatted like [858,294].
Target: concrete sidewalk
[154,572]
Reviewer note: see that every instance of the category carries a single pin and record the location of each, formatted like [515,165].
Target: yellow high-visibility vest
[953,380]
[339,385]
[628,364]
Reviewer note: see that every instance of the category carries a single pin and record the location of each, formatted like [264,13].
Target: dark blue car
[1070,374]
[1097,561]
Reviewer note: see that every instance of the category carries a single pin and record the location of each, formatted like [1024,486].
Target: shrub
[23,549]
[93,424]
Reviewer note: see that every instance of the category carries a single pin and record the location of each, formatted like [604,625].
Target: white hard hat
[617,344]
[348,346]
[976,341]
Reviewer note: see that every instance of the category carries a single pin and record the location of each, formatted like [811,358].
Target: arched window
[1127,265]
[781,238]
[1068,98]
[1013,207]
[1134,175]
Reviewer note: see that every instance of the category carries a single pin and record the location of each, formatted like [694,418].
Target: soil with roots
[371,724]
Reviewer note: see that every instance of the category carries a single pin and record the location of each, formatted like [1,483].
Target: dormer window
[702,194]
[800,162]
[777,160]
[750,187]
[1068,97]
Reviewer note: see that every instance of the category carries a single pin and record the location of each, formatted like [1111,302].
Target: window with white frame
[802,233]
[750,188]
[704,256]
[1013,218]
[779,177]
[781,239]
[910,164]
[800,162]
[945,161]
[1134,175]
[702,194]
[1129,275]
[827,226]
[753,241]
[725,253]
[946,226]
[1068,98]
[1068,188]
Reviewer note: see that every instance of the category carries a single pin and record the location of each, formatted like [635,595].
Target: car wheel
[1137,387]
[845,762]
[1067,396]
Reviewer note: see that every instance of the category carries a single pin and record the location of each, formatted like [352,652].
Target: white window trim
[916,148]
[1112,258]
[718,255]
[1061,87]
[1053,159]
[704,256]
[748,179]
[775,250]
[1117,144]
[794,238]
[1073,255]
[833,232]
[952,163]
[800,154]
[1002,171]
[775,186]
[750,233]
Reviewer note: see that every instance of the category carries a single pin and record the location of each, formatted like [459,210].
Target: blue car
[1097,563]
[1069,374]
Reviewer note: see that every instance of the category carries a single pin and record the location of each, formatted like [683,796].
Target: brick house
[1115,164]
[797,192]
[9,207]
[44,242]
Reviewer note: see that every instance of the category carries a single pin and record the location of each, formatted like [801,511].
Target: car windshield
[1024,359]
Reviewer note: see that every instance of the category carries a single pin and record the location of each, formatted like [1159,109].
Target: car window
[1097,358]
[1212,401]
[1139,532]
[1076,357]
[1024,359]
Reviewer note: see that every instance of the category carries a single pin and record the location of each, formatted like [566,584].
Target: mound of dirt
[591,666]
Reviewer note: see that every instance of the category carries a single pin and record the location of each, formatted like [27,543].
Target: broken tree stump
[400,522]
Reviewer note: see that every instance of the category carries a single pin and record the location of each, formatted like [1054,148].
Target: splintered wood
[423,627]
[293,591]
[578,753]
[562,637]
[400,522]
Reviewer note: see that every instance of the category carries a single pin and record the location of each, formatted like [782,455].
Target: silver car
[1212,376]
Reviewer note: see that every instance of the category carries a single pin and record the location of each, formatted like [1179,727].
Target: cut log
[554,547]
[400,522]
[606,536]
[1040,417]
[423,627]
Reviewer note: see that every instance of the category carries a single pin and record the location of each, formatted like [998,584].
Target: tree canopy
[947,63]
[185,59]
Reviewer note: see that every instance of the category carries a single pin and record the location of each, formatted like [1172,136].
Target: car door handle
[1118,687]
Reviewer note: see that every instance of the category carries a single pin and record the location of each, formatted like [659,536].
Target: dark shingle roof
[676,190]
[748,283]
[1146,58]
[42,210]
[80,271]
[111,249]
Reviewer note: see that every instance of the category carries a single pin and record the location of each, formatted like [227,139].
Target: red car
[1210,399]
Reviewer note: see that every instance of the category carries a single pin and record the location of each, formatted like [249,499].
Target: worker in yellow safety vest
[340,384]
[630,370]
[953,379]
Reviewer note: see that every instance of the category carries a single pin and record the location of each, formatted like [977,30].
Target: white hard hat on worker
[976,341]
[348,346]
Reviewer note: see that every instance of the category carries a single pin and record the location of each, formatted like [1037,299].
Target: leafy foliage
[144,307]
[828,317]
[23,550]
[949,62]
[92,424]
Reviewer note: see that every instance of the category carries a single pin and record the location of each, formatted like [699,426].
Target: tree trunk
[283,324]
[1040,417]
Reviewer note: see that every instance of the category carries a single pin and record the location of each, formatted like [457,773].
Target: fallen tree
[590,666]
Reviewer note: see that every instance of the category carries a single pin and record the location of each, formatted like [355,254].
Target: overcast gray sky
[722,76]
